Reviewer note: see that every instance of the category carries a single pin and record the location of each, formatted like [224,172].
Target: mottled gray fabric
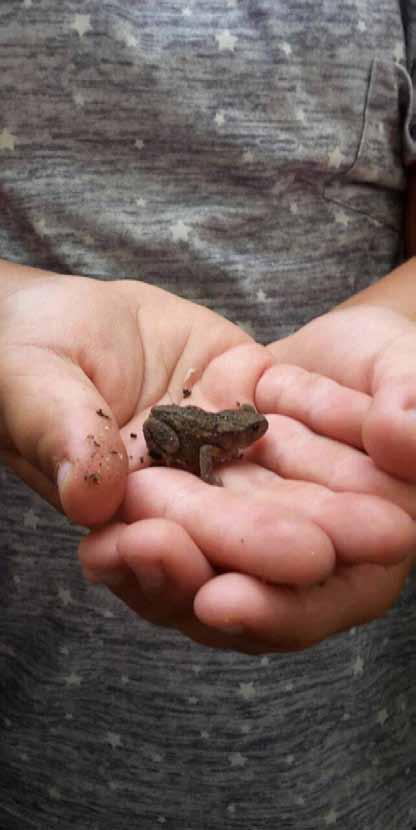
[247,154]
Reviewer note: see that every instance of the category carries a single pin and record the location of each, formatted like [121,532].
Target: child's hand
[82,359]
[367,348]
[300,509]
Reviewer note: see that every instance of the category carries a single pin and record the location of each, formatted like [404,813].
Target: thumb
[60,436]
[389,429]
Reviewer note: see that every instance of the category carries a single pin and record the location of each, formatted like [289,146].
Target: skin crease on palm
[306,538]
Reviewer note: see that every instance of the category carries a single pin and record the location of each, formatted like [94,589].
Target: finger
[389,429]
[153,566]
[319,402]
[236,532]
[295,452]
[292,619]
[58,430]
[362,528]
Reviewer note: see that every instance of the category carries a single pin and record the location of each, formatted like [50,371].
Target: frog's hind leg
[208,456]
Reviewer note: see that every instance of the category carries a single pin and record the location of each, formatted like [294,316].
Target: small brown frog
[193,439]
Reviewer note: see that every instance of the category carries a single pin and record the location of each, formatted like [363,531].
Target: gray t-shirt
[249,155]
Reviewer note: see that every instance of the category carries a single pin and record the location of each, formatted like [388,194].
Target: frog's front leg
[162,441]
[208,456]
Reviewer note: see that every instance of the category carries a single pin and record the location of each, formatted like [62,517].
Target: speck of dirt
[94,478]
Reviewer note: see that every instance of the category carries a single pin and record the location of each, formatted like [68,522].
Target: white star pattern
[261,297]
[335,157]
[81,23]
[382,716]
[79,99]
[226,41]
[180,232]
[330,818]
[139,144]
[247,691]
[342,218]
[73,679]
[358,665]
[398,53]
[286,48]
[248,156]
[65,596]
[361,26]
[236,759]
[141,203]
[187,12]
[114,739]
[7,140]
[30,519]
[220,118]
[125,33]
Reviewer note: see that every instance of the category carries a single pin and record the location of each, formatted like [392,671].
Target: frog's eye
[255,427]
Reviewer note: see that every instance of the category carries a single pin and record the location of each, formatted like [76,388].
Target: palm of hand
[304,499]
[300,509]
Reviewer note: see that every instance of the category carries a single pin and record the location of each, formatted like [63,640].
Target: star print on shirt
[358,665]
[335,157]
[65,596]
[331,818]
[226,41]
[286,48]
[79,99]
[81,23]
[342,218]
[382,716]
[247,691]
[7,140]
[180,231]
[113,739]
[73,679]
[30,519]
[236,759]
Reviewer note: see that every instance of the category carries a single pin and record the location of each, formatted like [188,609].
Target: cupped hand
[306,537]
[81,360]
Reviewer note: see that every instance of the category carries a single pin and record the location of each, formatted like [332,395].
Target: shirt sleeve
[408,78]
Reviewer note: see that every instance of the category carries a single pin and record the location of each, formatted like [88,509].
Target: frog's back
[193,426]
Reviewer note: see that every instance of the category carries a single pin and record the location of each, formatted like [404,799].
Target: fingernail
[150,578]
[64,470]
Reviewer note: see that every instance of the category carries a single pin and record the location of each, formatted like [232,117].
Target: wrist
[396,291]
